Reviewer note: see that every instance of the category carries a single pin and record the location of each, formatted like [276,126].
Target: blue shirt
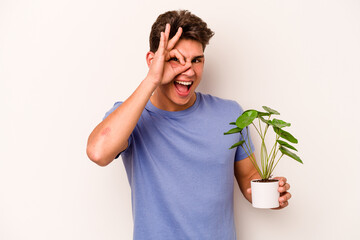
[181,171]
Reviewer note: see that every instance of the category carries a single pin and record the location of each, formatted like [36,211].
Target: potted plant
[264,190]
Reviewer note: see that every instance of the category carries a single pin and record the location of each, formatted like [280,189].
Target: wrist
[150,83]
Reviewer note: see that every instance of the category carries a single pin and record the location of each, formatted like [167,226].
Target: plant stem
[273,160]
[264,152]
[277,162]
[248,152]
[260,127]
[253,161]
[266,164]
[264,156]
[267,126]
[274,147]
[257,130]
[262,149]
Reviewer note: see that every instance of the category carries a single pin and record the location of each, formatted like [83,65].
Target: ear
[149,58]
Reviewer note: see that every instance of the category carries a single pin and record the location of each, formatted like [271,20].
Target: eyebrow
[197,57]
[200,56]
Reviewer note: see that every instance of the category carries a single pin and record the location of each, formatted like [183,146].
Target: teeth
[184,83]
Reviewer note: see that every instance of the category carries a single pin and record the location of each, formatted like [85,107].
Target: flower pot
[265,194]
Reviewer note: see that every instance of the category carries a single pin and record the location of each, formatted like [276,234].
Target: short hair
[194,28]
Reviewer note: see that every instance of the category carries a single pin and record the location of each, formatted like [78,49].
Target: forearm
[244,173]
[245,184]
[111,136]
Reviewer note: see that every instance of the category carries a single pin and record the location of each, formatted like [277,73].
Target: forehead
[189,48]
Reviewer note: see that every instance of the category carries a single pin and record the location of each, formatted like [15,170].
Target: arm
[245,172]
[111,136]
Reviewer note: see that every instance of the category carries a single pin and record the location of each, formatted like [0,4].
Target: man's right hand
[161,70]
[110,137]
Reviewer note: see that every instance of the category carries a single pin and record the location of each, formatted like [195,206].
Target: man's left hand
[284,194]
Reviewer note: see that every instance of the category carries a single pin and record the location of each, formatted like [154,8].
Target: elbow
[96,156]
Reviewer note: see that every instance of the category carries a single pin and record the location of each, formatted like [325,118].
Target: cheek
[174,64]
[199,70]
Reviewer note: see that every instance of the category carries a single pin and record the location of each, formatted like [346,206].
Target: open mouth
[183,87]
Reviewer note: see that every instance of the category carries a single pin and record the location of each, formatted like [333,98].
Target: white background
[64,63]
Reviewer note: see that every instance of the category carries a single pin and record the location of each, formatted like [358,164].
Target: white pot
[265,194]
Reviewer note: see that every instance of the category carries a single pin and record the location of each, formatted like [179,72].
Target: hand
[283,190]
[284,194]
[161,71]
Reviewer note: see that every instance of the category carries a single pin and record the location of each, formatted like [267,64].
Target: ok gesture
[161,71]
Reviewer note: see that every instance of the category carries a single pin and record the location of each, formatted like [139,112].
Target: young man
[171,140]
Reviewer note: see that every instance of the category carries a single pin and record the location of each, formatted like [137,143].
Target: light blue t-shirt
[181,171]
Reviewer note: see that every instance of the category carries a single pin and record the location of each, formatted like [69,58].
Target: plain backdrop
[64,63]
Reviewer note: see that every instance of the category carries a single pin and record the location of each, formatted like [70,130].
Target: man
[170,137]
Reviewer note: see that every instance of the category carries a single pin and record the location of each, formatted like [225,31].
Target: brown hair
[193,28]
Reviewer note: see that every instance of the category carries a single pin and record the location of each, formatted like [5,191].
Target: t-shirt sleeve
[116,105]
[247,148]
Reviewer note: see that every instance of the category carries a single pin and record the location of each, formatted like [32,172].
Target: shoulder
[116,105]
[220,104]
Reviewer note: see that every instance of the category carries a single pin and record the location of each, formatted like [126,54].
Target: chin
[184,101]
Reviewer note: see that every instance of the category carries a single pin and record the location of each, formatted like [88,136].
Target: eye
[174,59]
[197,60]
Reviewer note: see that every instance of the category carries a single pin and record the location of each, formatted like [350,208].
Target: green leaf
[285,135]
[237,144]
[264,120]
[290,154]
[232,123]
[279,123]
[261,114]
[271,111]
[246,118]
[285,144]
[233,130]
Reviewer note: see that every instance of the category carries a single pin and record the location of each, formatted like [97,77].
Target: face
[179,94]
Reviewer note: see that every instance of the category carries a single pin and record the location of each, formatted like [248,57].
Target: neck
[164,103]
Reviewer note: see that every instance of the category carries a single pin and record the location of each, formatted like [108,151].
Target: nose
[190,71]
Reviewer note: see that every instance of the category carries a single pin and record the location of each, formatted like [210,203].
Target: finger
[282,181]
[175,39]
[248,190]
[167,32]
[162,42]
[178,55]
[181,68]
[281,206]
[284,188]
[284,204]
[285,197]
